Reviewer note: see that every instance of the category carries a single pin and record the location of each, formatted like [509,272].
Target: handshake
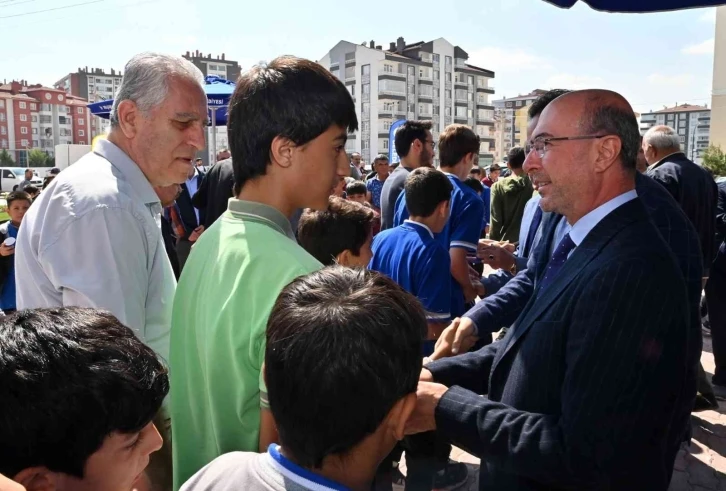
[457,338]
[498,255]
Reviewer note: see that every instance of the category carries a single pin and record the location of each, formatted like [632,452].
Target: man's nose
[531,162]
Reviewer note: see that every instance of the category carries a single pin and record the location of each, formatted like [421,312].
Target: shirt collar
[585,224]
[267,214]
[663,159]
[129,169]
[452,175]
[411,222]
[299,475]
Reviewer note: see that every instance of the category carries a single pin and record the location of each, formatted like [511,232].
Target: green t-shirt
[225,295]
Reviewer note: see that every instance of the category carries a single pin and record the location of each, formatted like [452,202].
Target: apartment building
[420,81]
[92,85]
[693,124]
[40,117]
[218,66]
[511,122]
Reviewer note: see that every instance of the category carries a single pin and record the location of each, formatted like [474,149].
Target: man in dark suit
[167,195]
[715,295]
[192,217]
[689,184]
[215,191]
[565,410]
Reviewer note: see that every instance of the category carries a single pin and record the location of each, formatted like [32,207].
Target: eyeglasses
[540,144]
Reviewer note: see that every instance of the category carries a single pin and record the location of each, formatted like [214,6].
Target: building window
[437,74]
[81,121]
[426,90]
[62,120]
[98,80]
[448,63]
[23,143]
[22,105]
[3,131]
[448,76]
[447,111]
[681,116]
[411,71]
[364,70]
[385,144]
[436,58]
[470,80]
[349,72]
[33,107]
[2,103]
[447,93]
[461,112]
[35,143]
[23,130]
[4,143]
[79,110]
[2,117]
[81,133]
[23,117]
[366,88]
[34,131]
[45,119]
[365,126]
[387,68]
[34,119]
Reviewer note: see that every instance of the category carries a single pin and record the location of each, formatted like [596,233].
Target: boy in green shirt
[288,124]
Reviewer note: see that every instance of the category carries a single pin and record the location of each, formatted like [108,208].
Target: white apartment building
[693,124]
[420,81]
[511,117]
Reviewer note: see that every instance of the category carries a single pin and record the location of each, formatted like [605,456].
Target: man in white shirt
[93,238]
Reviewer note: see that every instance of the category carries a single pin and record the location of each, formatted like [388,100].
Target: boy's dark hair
[409,132]
[475,170]
[343,346]
[474,184]
[69,377]
[425,189]
[515,157]
[17,196]
[345,225]
[543,101]
[289,97]
[455,142]
[31,189]
[356,187]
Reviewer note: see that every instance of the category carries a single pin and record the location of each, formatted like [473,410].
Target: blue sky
[654,59]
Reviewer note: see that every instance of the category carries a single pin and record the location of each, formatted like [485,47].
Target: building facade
[420,81]
[511,122]
[718,95]
[218,66]
[693,124]
[92,85]
[41,117]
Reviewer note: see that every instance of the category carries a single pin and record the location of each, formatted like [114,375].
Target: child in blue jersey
[458,151]
[18,204]
[411,256]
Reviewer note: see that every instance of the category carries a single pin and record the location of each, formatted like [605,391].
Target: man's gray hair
[662,138]
[146,80]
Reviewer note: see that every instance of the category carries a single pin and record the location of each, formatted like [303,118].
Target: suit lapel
[581,257]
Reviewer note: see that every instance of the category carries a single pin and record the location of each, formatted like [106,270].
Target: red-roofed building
[34,116]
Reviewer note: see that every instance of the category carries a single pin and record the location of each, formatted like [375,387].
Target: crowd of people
[289,320]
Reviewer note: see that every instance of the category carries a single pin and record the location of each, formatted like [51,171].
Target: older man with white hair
[93,237]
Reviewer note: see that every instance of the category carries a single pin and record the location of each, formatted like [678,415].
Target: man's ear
[399,414]
[129,117]
[32,479]
[344,258]
[608,151]
[281,151]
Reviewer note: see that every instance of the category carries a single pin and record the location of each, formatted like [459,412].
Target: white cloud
[573,82]
[683,80]
[709,16]
[704,48]
[509,60]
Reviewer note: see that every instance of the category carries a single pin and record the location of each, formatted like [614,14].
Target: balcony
[429,78]
[461,83]
[390,112]
[391,74]
[426,96]
[391,94]
[461,100]
[349,79]
[488,90]
[425,114]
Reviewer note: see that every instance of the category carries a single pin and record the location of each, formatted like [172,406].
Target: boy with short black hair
[356,191]
[341,383]
[341,234]
[78,391]
[32,191]
[18,203]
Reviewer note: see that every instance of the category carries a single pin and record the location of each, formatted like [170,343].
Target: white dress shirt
[93,239]
[585,224]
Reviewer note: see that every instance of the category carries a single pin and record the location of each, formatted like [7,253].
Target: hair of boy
[290,97]
[409,132]
[69,377]
[475,170]
[455,143]
[343,346]
[17,196]
[474,184]
[426,188]
[381,157]
[345,225]
[515,157]
[30,189]
[355,188]
[543,101]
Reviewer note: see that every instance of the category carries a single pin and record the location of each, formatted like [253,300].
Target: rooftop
[532,95]
[683,108]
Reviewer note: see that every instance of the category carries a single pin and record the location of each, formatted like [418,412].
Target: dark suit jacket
[585,390]
[215,191]
[170,245]
[721,214]
[695,190]
[186,207]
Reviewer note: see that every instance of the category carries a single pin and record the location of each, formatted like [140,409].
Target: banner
[392,154]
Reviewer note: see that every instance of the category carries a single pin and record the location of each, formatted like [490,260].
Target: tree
[37,158]
[715,159]
[6,160]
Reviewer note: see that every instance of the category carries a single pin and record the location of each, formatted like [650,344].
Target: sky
[654,60]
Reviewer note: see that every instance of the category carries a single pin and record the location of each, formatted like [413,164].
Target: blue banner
[392,154]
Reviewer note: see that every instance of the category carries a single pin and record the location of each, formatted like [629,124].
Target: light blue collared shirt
[584,225]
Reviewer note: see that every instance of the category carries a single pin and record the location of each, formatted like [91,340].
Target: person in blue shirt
[374,185]
[458,152]
[18,203]
[342,363]
[411,256]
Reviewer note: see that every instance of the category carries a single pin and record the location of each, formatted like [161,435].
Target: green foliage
[38,158]
[715,159]
[6,160]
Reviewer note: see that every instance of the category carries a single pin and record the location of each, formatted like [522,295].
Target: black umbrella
[639,5]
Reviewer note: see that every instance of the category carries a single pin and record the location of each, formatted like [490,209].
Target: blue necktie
[558,260]
[533,227]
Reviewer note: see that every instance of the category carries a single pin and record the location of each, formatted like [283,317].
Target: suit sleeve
[200,198]
[495,227]
[469,370]
[668,181]
[622,358]
[495,281]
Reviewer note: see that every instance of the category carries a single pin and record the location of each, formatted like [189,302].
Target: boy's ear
[344,258]
[399,414]
[31,479]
